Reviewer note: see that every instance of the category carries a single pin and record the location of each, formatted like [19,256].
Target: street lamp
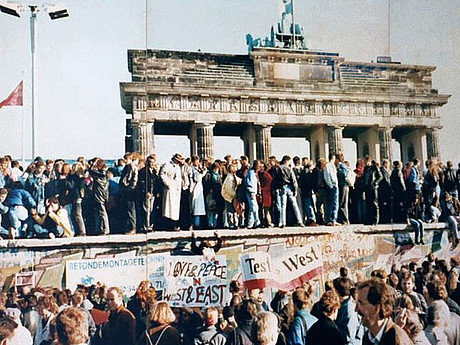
[55,12]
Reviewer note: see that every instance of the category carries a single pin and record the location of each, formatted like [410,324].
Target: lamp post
[55,12]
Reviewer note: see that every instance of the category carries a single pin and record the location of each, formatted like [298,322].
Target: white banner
[124,272]
[196,282]
[298,265]
[284,270]
[257,269]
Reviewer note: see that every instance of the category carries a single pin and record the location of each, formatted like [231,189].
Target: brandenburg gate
[284,90]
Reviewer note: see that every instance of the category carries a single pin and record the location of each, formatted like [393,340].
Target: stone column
[142,137]
[335,140]
[432,143]
[413,144]
[386,145]
[205,139]
[319,146]
[263,142]
[135,130]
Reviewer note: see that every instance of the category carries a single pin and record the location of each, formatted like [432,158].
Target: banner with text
[284,271]
[298,265]
[257,270]
[194,281]
[124,272]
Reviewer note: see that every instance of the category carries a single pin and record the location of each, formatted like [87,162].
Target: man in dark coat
[385,193]
[372,177]
[325,331]
[398,190]
[148,191]
[120,329]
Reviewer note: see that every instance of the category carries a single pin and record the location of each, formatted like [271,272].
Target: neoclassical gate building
[284,93]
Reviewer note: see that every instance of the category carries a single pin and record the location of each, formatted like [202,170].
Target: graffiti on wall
[358,252]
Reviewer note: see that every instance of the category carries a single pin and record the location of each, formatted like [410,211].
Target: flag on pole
[15,97]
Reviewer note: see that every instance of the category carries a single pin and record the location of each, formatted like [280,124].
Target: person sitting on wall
[54,223]
[207,247]
[415,219]
[452,209]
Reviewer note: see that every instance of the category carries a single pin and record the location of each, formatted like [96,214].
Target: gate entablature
[280,87]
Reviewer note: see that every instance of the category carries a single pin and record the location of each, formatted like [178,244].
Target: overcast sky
[82,59]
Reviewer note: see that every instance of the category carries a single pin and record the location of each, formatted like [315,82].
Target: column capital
[205,124]
[434,128]
[383,128]
[336,126]
[264,125]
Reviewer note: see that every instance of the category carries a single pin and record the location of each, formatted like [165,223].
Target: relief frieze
[213,104]
[234,104]
[394,109]
[272,106]
[326,107]
[378,109]
[290,107]
[253,105]
[174,102]
[344,108]
[194,103]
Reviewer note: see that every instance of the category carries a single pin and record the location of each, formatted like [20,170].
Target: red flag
[15,98]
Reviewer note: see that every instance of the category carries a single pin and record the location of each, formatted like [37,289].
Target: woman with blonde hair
[160,331]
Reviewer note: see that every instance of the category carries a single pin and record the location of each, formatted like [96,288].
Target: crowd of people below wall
[409,305]
[54,198]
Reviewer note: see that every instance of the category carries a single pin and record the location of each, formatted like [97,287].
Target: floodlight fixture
[10,8]
[56,11]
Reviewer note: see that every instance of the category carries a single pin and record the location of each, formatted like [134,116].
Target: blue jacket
[35,185]
[297,332]
[348,322]
[250,181]
[413,179]
[20,197]
[3,210]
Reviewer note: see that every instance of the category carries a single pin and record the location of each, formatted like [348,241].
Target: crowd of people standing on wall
[409,305]
[55,198]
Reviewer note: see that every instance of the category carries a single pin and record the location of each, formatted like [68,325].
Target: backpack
[199,341]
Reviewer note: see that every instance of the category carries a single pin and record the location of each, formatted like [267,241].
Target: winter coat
[100,185]
[229,187]
[170,175]
[196,193]
[266,188]
[20,197]
[250,182]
